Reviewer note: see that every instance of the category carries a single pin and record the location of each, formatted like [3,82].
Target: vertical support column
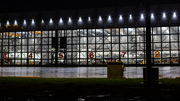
[148,45]
[56,47]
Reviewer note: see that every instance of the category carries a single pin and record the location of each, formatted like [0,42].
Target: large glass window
[89,46]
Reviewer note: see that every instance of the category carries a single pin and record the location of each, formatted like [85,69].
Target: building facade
[90,37]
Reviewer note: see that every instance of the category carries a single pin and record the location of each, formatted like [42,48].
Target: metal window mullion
[15,48]
[56,48]
[87,45]
[169,43]
[136,45]
[8,46]
[72,47]
[27,47]
[119,43]
[2,49]
[152,44]
[144,46]
[178,42]
[48,46]
[21,48]
[111,43]
[127,46]
[103,48]
[34,48]
[161,42]
[79,44]
[41,47]
[95,46]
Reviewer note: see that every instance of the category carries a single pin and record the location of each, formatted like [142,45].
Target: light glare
[164,15]
[100,18]
[15,22]
[24,21]
[142,16]
[80,19]
[69,19]
[120,17]
[60,20]
[130,16]
[89,18]
[51,20]
[174,14]
[32,21]
[7,22]
[152,15]
[109,18]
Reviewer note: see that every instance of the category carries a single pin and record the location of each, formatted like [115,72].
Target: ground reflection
[83,72]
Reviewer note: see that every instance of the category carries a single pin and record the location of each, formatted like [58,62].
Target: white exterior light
[60,20]
[130,16]
[7,22]
[152,15]
[142,16]
[174,14]
[15,22]
[89,18]
[50,20]
[42,21]
[109,18]
[69,19]
[24,21]
[164,15]
[80,19]
[32,21]
[100,19]
[120,17]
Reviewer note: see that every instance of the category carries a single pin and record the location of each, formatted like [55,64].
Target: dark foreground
[22,89]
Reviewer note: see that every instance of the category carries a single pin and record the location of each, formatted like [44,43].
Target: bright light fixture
[120,17]
[142,16]
[80,19]
[152,15]
[100,18]
[50,20]
[7,22]
[42,21]
[174,14]
[164,15]
[15,22]
[24,21]
[60,20]
[109,18]
[89,18]
[130,16]
[69,19]
[32,21]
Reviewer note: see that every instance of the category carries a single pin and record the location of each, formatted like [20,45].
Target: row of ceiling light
[100,19]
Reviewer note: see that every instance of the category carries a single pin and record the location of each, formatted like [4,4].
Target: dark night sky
[7,6]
